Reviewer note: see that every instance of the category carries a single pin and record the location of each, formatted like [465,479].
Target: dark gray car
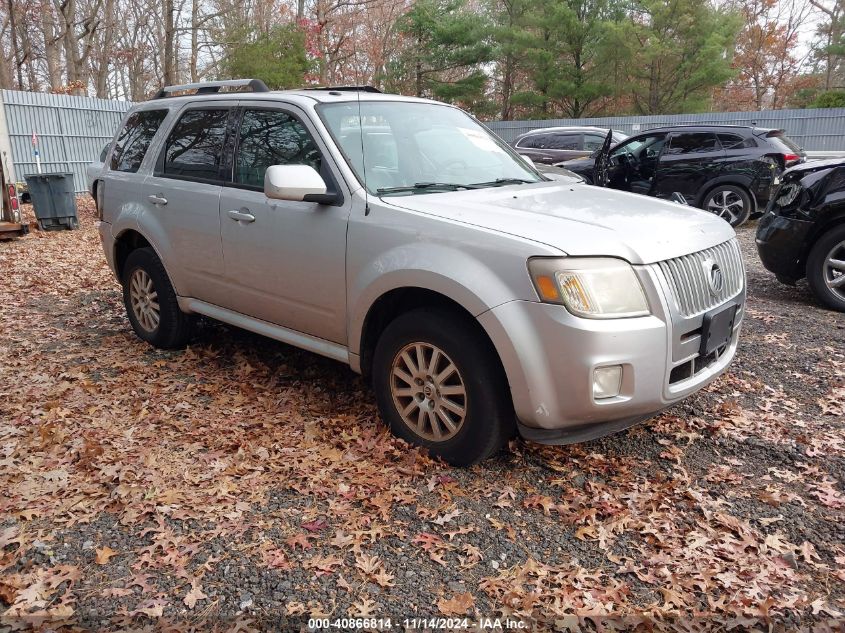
[554,144]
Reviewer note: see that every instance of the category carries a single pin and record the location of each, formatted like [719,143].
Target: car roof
[708,127]
[301,96]
[572,128]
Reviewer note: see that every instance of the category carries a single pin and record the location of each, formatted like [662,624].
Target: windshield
[414,148]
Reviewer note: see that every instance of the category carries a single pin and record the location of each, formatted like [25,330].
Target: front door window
[633,164]
[271,137]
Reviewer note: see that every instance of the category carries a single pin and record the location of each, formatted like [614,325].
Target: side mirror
[527,159]
[297,183]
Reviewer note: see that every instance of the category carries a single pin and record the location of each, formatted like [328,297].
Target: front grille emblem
[715,278]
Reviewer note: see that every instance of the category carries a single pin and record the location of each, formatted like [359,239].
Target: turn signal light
[547,288]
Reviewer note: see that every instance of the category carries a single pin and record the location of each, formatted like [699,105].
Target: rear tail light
[98,199]
[14,204]
[791,158]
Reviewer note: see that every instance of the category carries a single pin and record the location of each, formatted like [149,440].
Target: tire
[821,274]
[723,200]
[488,419]
[145,285]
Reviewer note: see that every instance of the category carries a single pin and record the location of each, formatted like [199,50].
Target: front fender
[435,267]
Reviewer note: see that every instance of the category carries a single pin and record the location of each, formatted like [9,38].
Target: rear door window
[134,140]
[272,137]
[194,148]
[692,143]
[565,141]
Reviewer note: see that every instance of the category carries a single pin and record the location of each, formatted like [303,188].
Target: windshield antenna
[363,158]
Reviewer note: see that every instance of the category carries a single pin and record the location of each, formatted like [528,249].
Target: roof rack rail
[347,88]
[213,87]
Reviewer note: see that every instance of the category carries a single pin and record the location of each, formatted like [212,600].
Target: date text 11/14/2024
[447,624]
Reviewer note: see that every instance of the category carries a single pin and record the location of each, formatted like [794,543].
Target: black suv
[802,233]
[728,170]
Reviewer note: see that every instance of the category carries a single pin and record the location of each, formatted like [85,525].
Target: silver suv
[401,237]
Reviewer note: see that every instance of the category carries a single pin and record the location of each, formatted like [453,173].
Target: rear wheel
[729,202]
[439,384]
[151,303]
[826,269]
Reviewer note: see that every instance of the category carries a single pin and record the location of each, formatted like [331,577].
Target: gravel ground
[244,484]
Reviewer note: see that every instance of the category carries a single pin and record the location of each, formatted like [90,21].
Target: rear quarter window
[134,140]
[736,141]
[535,141]
[781,141]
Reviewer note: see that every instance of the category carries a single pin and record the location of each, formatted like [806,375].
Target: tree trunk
[6,81]
[52,52]
[194,39]
[67,10]
[168,63]
[418,69]
[16,54]
[28,58]
[507,86]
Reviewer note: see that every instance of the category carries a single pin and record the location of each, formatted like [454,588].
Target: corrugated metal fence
[71,131]
[821,130]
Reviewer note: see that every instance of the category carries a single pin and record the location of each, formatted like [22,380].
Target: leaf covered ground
[243,482]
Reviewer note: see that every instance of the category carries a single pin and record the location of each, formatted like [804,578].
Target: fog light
[607,382]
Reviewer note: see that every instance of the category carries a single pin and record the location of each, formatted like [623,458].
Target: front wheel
[439,384]
[826,269]
[729,202]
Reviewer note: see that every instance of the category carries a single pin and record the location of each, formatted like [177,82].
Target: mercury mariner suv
[401,237]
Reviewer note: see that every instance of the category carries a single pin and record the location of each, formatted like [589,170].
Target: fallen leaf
[104,554]
[459,604]
[194,594]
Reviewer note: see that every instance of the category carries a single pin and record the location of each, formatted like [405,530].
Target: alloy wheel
[144,300]
[726,204]
[834,270]
[428,391]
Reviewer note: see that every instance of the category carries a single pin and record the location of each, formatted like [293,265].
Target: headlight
[592,287]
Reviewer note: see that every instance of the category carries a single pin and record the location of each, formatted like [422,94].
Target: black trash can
[54,200]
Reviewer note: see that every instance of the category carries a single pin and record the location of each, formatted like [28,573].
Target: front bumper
[549,357]
[781,245]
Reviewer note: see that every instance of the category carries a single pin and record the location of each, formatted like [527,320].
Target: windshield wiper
[501,182]
[424,186]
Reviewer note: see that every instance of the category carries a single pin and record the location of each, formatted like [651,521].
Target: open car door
[600,171]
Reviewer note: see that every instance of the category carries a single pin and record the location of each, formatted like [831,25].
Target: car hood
[580,220]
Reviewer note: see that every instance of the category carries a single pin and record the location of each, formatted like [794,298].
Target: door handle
[241,216]
[157,200]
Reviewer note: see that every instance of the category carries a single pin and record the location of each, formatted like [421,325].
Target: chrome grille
[689,281]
